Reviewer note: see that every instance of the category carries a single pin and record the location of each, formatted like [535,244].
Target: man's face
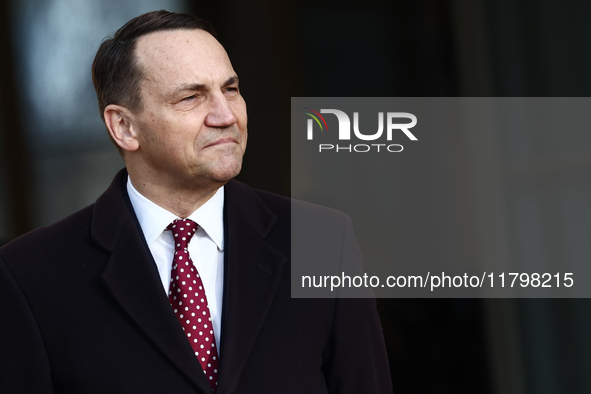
[192,129]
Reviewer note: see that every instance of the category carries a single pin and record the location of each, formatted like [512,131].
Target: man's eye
[189,98]
[232,89]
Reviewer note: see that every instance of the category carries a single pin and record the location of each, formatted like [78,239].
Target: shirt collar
[154,219]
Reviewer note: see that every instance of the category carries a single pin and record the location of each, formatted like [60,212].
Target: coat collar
[133,280]
[252,271]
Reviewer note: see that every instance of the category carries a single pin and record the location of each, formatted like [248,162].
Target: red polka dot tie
[188,300]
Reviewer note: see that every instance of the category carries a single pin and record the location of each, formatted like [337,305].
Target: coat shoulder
[57,236]
[283,206]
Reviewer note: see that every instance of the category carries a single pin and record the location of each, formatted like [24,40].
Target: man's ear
[118,121]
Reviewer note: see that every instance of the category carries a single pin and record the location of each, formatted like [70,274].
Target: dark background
[351,48]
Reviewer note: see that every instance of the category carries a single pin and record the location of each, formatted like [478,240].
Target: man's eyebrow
[188,87]
[231,81]
[199,86]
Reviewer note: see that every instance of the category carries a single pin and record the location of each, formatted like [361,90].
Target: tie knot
[182,232]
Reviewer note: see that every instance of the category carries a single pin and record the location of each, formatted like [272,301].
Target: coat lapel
[134,283]
[253,270]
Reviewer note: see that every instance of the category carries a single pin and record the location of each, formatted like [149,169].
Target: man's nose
[221,113]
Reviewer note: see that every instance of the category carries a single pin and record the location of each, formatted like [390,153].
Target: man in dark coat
[94,303]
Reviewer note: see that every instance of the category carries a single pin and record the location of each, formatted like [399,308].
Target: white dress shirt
[206,247]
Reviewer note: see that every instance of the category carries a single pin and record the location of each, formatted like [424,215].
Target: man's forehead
[161,52]
[174,34]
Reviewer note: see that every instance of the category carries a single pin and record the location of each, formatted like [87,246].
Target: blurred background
[55,157]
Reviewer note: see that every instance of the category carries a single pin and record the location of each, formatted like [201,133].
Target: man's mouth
[222,141]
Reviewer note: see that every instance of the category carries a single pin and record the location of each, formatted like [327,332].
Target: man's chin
[223,173]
